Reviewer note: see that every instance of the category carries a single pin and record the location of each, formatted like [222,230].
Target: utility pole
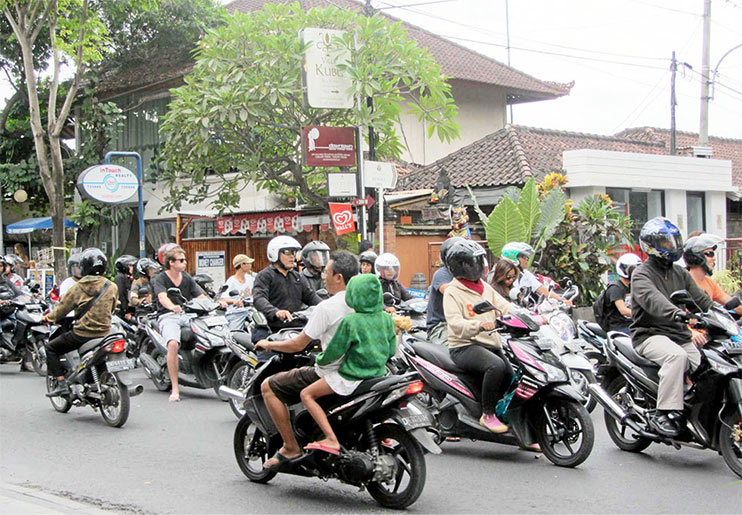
[507,32]
[673,103]
[703,133]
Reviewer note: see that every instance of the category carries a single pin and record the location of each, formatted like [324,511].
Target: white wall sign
[211,263]
[110,184]
[325,86]
[379,175]
[342,184]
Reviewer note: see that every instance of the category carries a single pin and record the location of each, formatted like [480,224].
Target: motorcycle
[712,406]
[97,377]
[541,405]
[595,337]
[203,355]
[383,437]
[24,335]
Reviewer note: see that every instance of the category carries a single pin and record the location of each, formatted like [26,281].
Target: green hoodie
[367,337]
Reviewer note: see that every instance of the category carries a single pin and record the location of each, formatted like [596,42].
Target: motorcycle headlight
[725,321]
[563,326]
[554,373]
[722,367]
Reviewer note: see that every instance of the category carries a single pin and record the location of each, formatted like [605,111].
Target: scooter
[540,406]
[24,335]
[712,406]
[383,438]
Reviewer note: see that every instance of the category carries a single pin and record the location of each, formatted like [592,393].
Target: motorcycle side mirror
[389,298]
[322,292]
[483,307]
[681,298]
[566,281]
[233,293]
[223,288]
[175,292]
[536,264]
[733,303]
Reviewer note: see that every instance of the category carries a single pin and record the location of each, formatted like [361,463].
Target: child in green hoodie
[364,341]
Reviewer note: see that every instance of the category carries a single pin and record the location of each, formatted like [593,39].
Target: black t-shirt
[188,288]
[123,283]
[614,292]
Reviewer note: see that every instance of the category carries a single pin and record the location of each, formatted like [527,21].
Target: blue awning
[31,224]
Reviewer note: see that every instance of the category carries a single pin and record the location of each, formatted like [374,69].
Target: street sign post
[381,176]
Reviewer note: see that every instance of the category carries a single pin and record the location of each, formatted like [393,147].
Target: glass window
[199,229]
[695,203]
[641,206]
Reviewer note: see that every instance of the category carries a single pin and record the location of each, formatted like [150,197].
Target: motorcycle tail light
[414,388]
[118,346]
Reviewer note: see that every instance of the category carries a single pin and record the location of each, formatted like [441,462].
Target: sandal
[317,446]
[281,460]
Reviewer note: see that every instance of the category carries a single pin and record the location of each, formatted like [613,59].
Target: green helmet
[515,249]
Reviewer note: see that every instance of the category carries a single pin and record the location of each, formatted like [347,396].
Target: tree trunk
[56,202]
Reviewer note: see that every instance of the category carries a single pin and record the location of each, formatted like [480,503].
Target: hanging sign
[342,218]
[211,263]
[259,224]
[328,146]
[325,85]
[110,184]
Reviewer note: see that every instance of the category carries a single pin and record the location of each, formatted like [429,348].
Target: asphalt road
[177,458]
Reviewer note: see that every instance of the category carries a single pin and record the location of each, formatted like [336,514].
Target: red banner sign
[265,223]
[342,218]
[328,146]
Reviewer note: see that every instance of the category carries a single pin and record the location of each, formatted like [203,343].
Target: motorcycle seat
[626,347]
[92,344]
[244,339]
[436,354]
[377,383]
[596,329]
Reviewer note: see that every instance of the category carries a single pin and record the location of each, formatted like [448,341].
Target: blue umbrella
[31,224]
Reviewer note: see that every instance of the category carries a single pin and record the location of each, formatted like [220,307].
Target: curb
[23,500]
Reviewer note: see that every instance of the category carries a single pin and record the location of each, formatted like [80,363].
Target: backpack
[601,314]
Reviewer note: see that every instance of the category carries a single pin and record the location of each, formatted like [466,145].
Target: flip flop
[316,446]
[281,460]
[531,447]
[174,397]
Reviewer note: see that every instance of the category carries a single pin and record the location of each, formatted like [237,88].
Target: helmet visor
[317,258]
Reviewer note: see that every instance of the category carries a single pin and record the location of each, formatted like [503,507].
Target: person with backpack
[612,308]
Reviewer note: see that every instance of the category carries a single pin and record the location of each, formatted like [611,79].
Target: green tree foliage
[242,108]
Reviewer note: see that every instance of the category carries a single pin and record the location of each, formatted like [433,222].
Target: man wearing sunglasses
[699,253]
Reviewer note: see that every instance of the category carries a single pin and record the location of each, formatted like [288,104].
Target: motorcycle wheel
[38,361]
[222,362]
[61,404]
[581,379]
[251,448]
[730,441]
[409,478]
[565,432]
[620,434]
[115,400]
[162,385]
[238,379]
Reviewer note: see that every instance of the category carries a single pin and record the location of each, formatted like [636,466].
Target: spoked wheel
[61,404]
[408,478]
[215,371]
[114,400]
[251,448]
[565,432]
[623,436]
[730,441]
[38,360]
[163,383]
[582,379]
[238,379]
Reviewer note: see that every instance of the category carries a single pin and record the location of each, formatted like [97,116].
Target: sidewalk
[16,499]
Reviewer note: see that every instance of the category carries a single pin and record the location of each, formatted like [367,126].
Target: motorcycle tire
[582,378]
[162,385]
[410,459]
[238,378]
[621,434]
[115,402]
[220,362]
[562,425]
[730,441]
[61,404]
[251,449]
[27,361]
[38,361]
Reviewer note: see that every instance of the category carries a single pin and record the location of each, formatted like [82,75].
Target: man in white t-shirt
[241,282]
[283,389]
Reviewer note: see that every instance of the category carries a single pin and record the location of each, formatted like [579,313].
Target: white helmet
[386,261]
[279,243]
[626,265]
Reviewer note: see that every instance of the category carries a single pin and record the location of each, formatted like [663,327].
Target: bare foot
[175,397]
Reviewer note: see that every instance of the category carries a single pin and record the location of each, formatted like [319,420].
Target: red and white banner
[342,218]
[264,223]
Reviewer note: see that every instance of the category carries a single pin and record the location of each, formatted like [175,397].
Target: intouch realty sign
[325,85]
[107,183]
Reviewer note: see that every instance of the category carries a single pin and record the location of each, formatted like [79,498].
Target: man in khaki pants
[659,328]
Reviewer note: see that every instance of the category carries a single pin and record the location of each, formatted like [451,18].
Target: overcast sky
[617,52]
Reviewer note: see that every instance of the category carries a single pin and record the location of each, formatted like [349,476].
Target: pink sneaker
[493,423]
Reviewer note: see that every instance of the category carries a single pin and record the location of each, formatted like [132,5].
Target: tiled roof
[514,154]
[455,60]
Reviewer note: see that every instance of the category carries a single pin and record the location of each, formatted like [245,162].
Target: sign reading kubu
[328,146]
[342,218]
[325,85]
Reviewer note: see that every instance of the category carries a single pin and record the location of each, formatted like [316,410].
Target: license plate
[414,421]
[215,320]
[118,366]
[732,347]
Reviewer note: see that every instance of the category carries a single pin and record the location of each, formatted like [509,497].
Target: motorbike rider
[659,329]
[124,266]
[74,272]
[367,259]
[280,290]
[171,316]
[7,278]
[617,298]
[436,320]
[699,253]
[241,282]
[315,256]
[94,297]
[387,268]
[505,274]
[11,263]
[141,289]
[471,345]
[283,389]
[520,253]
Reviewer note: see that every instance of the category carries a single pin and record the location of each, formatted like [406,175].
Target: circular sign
[20,196]
[110,184]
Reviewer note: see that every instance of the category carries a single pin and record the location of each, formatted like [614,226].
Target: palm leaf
[529,207]
[505,224]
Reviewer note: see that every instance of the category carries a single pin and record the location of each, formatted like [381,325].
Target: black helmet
[73,266]
[694,248]
[144,265]
[93,262]
[123,263]
[661,238]
[465,260]
[368,256]
[447,245]
[315,254]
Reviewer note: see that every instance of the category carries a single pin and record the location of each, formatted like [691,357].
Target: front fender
[576,361]
[565,391]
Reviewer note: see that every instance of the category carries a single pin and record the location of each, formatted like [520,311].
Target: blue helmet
[661,238]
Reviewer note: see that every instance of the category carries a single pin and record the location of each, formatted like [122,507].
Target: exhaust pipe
[151,366]
[232,393]
[138,389]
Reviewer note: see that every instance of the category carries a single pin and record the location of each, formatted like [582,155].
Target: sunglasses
[180,260]
[510,277]
[709,253]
